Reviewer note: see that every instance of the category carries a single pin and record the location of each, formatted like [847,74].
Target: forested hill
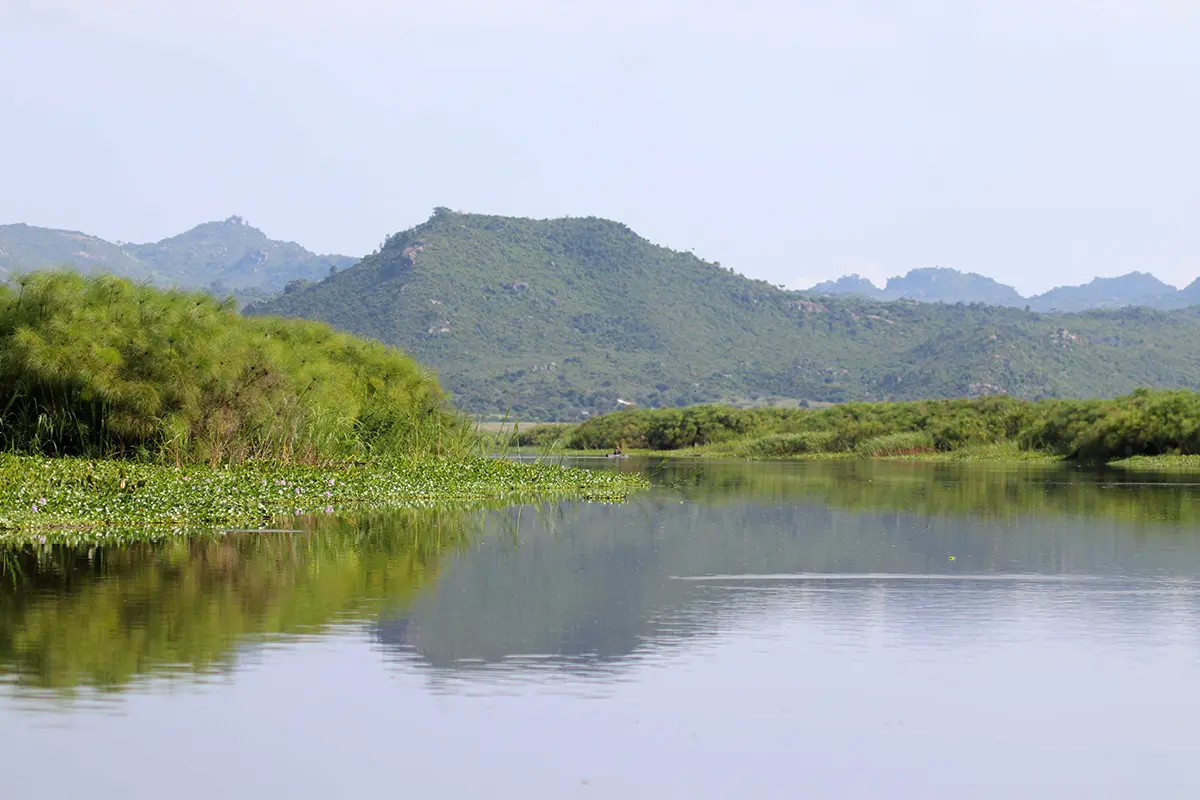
[551,318]
[229,256]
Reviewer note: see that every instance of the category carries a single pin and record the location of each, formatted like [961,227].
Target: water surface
[818,630]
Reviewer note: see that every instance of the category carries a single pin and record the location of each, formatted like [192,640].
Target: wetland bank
[1146,430]
[127,408]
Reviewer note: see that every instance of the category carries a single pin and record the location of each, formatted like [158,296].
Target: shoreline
[999,455]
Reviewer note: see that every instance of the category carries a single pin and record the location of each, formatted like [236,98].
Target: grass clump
[42,496]
[1173,463]
[780,445]
[891,445]
[99,366]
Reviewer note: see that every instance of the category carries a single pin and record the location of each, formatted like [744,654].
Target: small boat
[616,455]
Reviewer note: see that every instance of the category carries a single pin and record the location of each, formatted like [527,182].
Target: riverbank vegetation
[1144,424]
[102,367]
[167,408]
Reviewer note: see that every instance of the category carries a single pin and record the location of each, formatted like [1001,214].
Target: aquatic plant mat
[56,498]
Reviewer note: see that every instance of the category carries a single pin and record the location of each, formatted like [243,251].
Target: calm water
[762,630]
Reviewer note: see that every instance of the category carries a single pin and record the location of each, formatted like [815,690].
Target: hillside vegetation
[26,247]
[1143,424]
[229,257]
[549,319]
[234,256]
[101,366]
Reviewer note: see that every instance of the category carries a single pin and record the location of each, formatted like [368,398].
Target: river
[836,629]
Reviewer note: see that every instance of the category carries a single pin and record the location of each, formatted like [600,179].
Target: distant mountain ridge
[227,256]
[945,285]
[233,257]
[558,318]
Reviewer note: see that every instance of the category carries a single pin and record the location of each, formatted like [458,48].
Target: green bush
[1144,423]
[101,366]
[671,428]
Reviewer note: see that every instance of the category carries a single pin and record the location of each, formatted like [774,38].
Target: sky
[1039,142]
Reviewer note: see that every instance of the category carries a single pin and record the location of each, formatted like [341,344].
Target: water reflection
[571,591]
[102,617]
[591,587]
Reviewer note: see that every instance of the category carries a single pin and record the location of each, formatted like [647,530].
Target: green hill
[942,285]
[1134,289]
[26,247]
[228,257]
[236,256]
[553,318]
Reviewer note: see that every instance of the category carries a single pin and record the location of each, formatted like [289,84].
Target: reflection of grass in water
[103,616]
[935,489]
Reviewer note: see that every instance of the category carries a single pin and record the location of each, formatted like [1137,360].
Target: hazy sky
[1039,142]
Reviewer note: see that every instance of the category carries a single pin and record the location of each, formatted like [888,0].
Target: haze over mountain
[228,256]
[943,285]
[929,285]
[556,318]
[1039,142]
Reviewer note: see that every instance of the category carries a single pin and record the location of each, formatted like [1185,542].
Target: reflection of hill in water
[581,587]
[587,587]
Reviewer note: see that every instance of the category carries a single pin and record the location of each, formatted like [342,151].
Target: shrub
[1144,423]
[100,366]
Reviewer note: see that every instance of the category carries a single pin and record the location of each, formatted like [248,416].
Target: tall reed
[100,366]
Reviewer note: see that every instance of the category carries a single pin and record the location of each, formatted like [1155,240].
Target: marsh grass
[101,367]
[1158,424]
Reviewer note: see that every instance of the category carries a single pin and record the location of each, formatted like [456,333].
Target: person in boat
[617,451]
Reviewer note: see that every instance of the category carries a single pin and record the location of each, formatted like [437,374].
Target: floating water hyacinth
[111,495]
